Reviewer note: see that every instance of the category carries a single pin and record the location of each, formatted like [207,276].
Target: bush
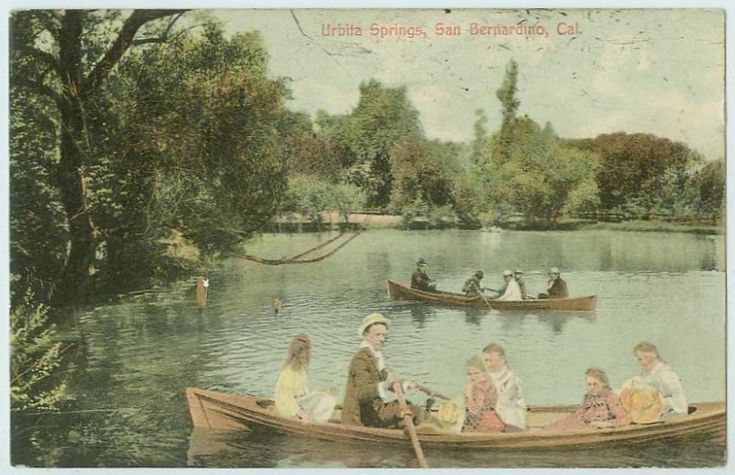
[35,357]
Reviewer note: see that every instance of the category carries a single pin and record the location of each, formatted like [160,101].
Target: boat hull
[399,291]
[222,411]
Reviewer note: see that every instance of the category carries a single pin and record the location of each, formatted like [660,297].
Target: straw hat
[370,320]
[447,418]
[644,404]
[507,272]
[421,262]
[554,270]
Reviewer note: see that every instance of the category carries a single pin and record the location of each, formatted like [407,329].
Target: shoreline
[293,223]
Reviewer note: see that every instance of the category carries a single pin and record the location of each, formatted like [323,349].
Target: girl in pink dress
[600,407]
[481,397]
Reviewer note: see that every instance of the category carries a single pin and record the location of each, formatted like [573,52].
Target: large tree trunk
[70,172]
[75,279]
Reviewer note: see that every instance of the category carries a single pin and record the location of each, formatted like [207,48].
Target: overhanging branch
[160,39]
[121,44]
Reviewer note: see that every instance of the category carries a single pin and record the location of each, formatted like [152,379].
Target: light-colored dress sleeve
[291,384]
[672,391]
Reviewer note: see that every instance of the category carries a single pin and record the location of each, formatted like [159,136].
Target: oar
[479,292]
[431,392]
[408,420]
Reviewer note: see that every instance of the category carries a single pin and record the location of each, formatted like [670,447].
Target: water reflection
[227,449]
[142,351]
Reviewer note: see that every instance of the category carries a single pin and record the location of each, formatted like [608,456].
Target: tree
[537,175]
[640,171]
[67,72]
[38,236]
[506,94]
[479,142]
[422,172]
[708,185]
[382,116]
[200,155]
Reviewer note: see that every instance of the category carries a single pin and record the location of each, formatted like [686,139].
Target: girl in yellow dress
[293,398]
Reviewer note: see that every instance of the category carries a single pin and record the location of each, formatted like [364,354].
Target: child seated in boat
[480,399]
[293,398]
[600,407]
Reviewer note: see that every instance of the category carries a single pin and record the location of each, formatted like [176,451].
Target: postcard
[367,238]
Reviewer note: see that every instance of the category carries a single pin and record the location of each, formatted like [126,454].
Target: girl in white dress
[510,406]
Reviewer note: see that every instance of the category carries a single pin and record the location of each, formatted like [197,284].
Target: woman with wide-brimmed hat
[656,373]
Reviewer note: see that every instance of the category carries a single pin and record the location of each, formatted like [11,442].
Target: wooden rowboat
[231,412]
[398,291]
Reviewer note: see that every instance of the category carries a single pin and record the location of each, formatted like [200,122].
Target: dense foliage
[167,154]
[36,353]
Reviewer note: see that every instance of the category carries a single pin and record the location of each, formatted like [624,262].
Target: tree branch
[49,21]
[39,88]
[121,44]
[161,39]
[46,58]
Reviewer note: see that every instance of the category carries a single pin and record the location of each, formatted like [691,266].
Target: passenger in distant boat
[420,279]
[510,290]
[658,374]
[518,275]
[510,405]
[600,407]
[293,398]
[480,399]
[368,381]
[472,286]
[557,286]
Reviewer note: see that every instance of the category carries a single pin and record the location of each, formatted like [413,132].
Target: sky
[654,71]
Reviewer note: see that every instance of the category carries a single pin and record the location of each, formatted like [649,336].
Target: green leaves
[35,355]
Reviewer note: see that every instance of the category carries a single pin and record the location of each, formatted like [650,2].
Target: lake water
[140,353]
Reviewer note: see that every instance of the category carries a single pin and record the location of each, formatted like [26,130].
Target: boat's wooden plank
[228,411]
[400,291]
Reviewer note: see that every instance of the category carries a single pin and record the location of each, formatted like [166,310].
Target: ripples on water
[139,354]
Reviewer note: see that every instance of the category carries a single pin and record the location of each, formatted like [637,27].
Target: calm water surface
[140,353]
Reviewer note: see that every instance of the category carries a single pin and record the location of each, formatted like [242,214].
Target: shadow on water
[231,450]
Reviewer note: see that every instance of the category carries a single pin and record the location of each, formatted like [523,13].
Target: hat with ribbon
[372,319]
[644,404]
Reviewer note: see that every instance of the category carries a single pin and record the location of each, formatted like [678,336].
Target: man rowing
[420,279]
[472,286]
[368,381]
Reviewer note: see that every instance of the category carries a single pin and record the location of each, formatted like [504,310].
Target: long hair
[299,352]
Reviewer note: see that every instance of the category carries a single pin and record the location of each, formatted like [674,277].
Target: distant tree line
[522,169]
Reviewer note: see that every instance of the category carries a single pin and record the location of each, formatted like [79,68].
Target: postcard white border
[10,5]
